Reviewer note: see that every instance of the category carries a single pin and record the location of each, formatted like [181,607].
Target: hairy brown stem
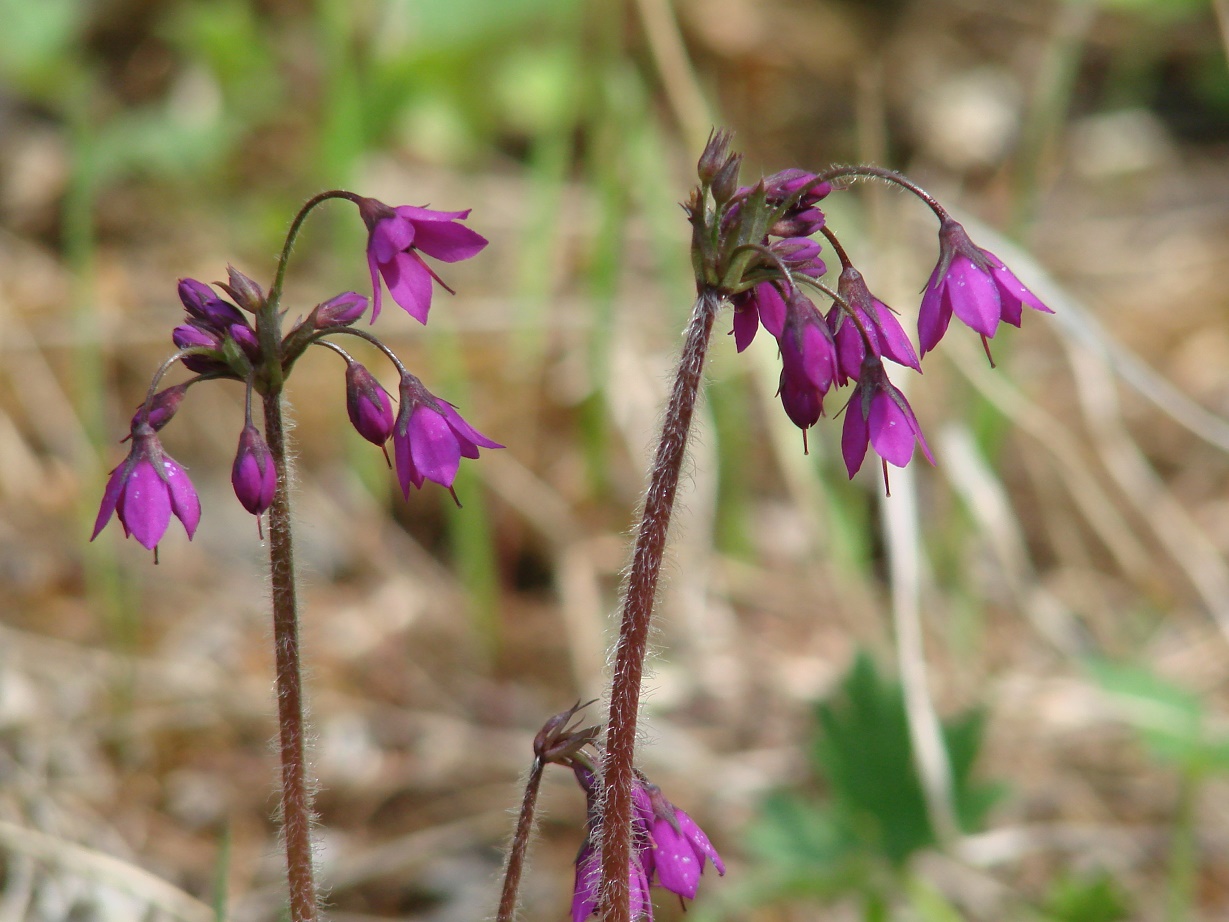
[618,763]
[520,845]
[296,802]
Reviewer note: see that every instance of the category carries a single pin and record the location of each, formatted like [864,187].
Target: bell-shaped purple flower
[878,415]
[430,438]
[973,284]
[253,474]
[808,362]
[677,845]
[396,238]
[368,404]
[146,489]
[887,338]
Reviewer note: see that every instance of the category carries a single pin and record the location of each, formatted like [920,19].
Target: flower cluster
[670,850]
[234,332]
[753,245]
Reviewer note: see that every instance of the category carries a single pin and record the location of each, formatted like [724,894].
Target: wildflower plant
[754,248]
[237,332]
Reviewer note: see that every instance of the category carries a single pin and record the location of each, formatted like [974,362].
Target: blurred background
[1069,619]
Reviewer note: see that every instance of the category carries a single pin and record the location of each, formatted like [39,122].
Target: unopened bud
[245,291]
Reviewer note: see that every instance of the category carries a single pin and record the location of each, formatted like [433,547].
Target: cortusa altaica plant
[755,248]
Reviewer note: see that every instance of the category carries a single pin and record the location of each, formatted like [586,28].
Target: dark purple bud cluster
[754,247]
[236,335]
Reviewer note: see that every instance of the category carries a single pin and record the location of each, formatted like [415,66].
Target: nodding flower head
[396,239]
[973,284]
[253,475]
[430,438]
[878,415]
[669,846]
[146,489]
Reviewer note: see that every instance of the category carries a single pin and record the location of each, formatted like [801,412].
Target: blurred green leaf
[1086,899]
[38,42]
[1169,719]
[865,753]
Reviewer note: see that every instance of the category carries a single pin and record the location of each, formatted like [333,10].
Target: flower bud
[161,407]
[725,183]
[254,476]
[715,156]
[338,311]
[368,404]
[247,293]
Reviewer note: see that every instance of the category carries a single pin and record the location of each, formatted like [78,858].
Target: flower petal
[935,313]
[890,431]
[110,497]
[434,447]
[145,504]
[409,283]
[678,867]
[974,296]
[390,237]
[854,434]
[184,502]
[449,241]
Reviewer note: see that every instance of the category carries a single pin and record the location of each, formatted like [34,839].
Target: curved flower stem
[296,802]
[520,845]
[862,171]
[275,290]
[618,769]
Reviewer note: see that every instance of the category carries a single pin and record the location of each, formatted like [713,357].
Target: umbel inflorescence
[754,245]
[241,339]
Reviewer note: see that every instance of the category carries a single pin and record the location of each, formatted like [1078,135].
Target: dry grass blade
[106,869]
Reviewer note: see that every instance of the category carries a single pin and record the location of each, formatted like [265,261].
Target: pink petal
[771,308]
[409,283]
[390,237]
[678,869]
[145,505]
[465,430]
[854,434]
[376,287]
[893,341]
[974,296]
[449,241]
[746,325]
[417,215]
[110,497]
[890,432]
[184,502]
[934,315]
[434,447]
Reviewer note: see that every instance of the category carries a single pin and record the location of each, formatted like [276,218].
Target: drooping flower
[667,845]
[808,362]
[253,474]
[677,846]
[761,304]
[146,489]
[430,438]
[396,237]
[973,284]
[368,405]
[886,336]
[878,415]
[160,408]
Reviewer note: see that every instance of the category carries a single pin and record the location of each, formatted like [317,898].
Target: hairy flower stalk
[618,767]
[296,801]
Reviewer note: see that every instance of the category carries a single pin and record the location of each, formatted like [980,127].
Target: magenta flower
[430,438]
[145,490]
[396,238]
[761,304]
[669,846]
[589,879]
[368,404]
[886,336]
[879,415]
[253,474]
[973,284]
[808,362]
